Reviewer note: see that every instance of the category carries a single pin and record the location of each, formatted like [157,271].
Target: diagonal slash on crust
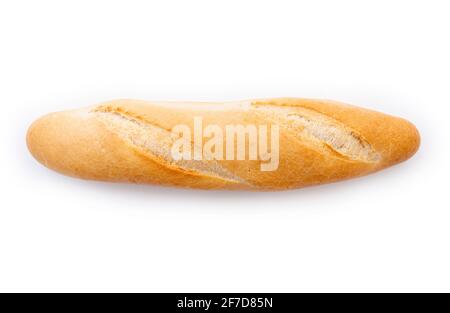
[320,131]
[157,141]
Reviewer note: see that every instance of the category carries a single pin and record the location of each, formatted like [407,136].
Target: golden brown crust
[320,142]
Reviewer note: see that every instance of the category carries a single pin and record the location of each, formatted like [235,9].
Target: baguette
[277,144]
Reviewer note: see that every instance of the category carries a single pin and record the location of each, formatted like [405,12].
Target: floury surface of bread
[317,142]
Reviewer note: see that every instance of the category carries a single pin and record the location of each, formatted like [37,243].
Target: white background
[386,232]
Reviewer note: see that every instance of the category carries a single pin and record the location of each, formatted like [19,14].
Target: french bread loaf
[287,142]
